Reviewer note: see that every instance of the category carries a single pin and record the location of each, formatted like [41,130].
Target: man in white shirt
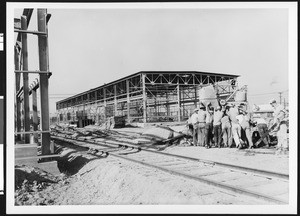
[201,125]
[218,114]
[281,120]
[194,121]
[235,126]
[244,122]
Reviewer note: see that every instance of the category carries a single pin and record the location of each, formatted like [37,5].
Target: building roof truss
[134,84]
[109,90]
[197,79]
[121,87]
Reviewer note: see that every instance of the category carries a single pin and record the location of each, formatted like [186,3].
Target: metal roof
[230,76]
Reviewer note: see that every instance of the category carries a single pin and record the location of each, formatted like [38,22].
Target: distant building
[145,96]
[265,110]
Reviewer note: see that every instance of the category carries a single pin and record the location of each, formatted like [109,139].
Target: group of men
[230,124]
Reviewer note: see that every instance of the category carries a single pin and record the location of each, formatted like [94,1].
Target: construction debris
[158,133]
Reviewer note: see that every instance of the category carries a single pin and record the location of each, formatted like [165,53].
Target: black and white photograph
[151,108]
[1,146]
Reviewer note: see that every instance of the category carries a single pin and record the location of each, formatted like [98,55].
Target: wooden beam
[43,63]
[18,102]
[25,79]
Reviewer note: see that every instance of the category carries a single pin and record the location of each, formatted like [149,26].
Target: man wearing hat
[280,119]
[194,122]
[235,126]
[244,122]
[209,126]
[226,129]
[218,115]
[201,125]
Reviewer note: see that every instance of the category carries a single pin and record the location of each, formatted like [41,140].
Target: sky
[90,47]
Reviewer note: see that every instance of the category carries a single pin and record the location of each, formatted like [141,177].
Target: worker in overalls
[201,125]
[280,119]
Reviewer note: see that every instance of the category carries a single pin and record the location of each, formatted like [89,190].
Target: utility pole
[280,95]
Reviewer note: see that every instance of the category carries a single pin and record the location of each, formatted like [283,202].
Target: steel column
[195,88]
[128,101]
[144,98]
[115,100]
[43,62]
[167,103]
[178,101]
[104,102]
[25,79]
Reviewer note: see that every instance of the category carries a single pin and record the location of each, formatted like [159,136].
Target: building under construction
[146,96]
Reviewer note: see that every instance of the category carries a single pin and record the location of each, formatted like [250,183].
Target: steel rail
[265,173]
[199,179]
[209,182]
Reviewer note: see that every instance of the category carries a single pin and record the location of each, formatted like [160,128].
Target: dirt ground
[90,180]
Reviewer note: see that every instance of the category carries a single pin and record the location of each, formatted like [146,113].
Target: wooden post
[34,114]
[43,62]
[178,101]
[144,98]
[25,79]
[18,102]
[128,101]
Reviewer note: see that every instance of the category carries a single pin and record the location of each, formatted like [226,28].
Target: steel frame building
[146,96]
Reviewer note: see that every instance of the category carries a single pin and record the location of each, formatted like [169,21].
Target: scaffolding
[146,96]
[24,127]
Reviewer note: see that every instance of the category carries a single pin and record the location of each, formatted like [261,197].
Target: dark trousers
[195,134]
[208,133]
[262,129]
[218,135]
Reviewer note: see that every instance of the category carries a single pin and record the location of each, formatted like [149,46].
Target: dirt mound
[29,181]
[32,175]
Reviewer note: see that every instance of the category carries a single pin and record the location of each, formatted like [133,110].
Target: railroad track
[260,184]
